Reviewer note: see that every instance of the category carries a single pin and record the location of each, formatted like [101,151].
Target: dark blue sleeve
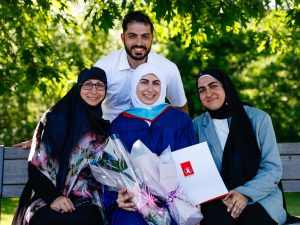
[186,135]
[130,130]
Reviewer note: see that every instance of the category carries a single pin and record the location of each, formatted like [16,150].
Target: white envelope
[198,174]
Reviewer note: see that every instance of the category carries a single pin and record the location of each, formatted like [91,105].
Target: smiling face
[148,89]
[95,95]
[137,40]
[211,92]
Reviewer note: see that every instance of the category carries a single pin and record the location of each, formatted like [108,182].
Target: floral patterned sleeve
[41,170]
[41,185]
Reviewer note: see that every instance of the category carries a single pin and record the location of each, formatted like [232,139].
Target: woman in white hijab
[137,81]
[156,123]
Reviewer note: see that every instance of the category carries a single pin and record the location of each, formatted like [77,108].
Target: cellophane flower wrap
[159,174]
[115,171]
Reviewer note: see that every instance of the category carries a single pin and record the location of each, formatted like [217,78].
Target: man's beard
[137,57]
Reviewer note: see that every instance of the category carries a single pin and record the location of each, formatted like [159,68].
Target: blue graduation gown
[172,127]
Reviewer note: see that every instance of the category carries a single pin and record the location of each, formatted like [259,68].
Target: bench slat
[291,166]
[291,185]
[1,167]
[289,148]
[15,171]
[12,191]
[15,153]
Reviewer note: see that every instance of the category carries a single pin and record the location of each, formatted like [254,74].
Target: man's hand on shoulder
[24,144]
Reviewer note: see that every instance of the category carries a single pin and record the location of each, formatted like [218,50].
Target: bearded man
[119,66]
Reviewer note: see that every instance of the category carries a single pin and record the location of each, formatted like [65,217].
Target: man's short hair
[136,17]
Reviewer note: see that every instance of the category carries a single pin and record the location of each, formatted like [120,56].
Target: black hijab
[66,122]
[61,128]
[242,156]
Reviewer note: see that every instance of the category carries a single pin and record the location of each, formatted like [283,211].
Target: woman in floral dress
[60,188]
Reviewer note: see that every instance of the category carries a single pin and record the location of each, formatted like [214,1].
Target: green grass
[8,206]
[293,203]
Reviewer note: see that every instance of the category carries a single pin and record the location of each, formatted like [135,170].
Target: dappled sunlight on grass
[8,206]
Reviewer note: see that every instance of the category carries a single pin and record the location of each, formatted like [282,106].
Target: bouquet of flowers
[115,171]
[159,174]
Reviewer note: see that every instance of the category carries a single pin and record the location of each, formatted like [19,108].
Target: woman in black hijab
[243,144]
[60,188]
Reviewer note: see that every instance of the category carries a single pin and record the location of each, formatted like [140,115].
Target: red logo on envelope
[187,168]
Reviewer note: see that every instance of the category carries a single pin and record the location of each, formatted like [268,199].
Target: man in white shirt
[119,66]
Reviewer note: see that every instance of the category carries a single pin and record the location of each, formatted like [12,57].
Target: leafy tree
[42,49]
[266,75]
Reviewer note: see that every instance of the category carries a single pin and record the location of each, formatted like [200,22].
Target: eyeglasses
[89,86]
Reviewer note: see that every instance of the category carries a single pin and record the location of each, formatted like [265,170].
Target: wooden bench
[13,169]
[290,158]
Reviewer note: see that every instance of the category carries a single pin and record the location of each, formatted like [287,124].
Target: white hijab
[141,71]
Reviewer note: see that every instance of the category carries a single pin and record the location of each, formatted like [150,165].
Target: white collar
[123,64]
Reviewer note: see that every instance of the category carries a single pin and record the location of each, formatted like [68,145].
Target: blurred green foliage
[44,44]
